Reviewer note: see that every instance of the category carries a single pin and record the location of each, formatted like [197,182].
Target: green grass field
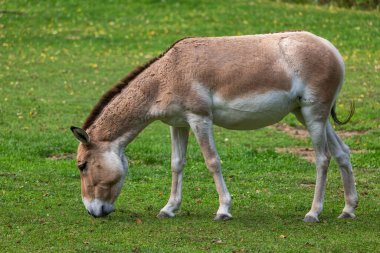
[58,57]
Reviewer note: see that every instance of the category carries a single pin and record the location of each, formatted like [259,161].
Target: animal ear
[80,135]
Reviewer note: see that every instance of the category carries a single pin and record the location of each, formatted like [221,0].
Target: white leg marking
[179,138]
[341,153]
[202,128]
[317,131]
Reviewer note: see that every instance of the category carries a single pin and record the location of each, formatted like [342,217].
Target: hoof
[163,215]
[223,216]
[309,218]
[345,215]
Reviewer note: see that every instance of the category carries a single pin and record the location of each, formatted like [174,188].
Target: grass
[58,57]
[354,4]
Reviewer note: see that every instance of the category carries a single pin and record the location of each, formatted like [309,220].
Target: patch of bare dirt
[298,132]
[308,153]
[63,156]
[307,185]
[301,132]
[350,133]
[305,153]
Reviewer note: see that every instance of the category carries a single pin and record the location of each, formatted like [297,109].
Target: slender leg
[179,138]
[317,131]
[341,153]
[202,128]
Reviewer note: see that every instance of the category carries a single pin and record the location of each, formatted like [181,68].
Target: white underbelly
[253,111]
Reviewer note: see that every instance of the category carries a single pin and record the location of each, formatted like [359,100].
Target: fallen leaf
[217,241]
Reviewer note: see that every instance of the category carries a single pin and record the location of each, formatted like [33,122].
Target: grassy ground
[58,57]
[353,4]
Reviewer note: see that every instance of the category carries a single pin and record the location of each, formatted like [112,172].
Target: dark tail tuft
[335,118]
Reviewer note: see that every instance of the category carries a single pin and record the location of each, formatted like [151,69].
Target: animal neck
[128,113]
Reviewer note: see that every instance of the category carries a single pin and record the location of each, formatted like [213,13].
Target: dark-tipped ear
[81,135]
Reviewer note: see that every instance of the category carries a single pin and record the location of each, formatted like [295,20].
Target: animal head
[102,167]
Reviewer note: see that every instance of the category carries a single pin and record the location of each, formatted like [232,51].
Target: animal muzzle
[98,208]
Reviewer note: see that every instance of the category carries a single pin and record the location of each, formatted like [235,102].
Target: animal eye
[82,166]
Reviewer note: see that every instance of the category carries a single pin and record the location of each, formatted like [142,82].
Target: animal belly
[252,112]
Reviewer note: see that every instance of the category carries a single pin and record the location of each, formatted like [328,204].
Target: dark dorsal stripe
[117,89]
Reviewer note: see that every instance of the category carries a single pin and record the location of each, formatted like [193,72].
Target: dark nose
[102,213]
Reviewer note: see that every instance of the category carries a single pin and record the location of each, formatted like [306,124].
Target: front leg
[202,128]
[179,138]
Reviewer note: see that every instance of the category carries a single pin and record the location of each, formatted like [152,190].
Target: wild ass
[243,82]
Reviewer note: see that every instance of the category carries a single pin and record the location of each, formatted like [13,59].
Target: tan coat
[243,82]
[230,67]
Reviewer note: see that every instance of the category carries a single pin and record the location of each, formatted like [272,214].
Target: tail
[335,118]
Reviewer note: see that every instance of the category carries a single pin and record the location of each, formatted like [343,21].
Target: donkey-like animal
[242,82]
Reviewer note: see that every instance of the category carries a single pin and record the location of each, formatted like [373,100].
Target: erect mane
[117,89]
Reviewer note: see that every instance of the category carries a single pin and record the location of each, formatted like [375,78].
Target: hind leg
[341,154]
[316,125]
